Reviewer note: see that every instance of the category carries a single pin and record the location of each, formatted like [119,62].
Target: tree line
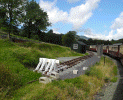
[26,13]
[105,42]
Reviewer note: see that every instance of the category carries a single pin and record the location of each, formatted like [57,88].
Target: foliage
[54,38]
[95,42]
[68,38]
[35,19]
[12,11]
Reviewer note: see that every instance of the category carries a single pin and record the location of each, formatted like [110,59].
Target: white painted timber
[44,80]
[49,61]
[75,71]
[47,65]
[39,64]
[53,65]
[44,64]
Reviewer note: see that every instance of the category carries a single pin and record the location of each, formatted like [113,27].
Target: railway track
[73,62]
[68,64]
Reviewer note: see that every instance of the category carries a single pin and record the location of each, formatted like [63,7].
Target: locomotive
[115,50]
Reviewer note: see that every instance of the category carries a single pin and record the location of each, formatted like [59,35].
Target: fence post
[104,59]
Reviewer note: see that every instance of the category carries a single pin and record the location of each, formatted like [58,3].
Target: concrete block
[44,80]
[98,56]
[85,68]
[75,71]
[54,75]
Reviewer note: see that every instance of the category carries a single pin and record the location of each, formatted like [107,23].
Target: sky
[98,19]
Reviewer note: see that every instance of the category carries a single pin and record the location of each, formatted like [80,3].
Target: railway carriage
[93,47]
[105,48]
[115,50]
[121,51]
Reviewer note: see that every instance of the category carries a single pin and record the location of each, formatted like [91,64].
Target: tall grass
[16,58]
[82,87]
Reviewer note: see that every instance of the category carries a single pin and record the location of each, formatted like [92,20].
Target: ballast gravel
[68,73]
[110,91]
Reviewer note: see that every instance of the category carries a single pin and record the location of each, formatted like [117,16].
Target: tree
[90,41]
[3,18]
[35,19]
[68,38]
[83,40]
[14,11]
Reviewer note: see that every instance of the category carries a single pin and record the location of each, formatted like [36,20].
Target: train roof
[80,42]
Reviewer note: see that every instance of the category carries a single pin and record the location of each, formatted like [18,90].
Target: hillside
[17,58]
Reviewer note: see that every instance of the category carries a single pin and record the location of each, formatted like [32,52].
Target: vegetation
[11,11]
[16,58]
[82,87]
[68,38]
[51,37]
[34,20]
[105,42]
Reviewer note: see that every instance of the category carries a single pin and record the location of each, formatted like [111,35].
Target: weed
[96,72]
[115,70]
[114,79]
[87,72]
[86,54]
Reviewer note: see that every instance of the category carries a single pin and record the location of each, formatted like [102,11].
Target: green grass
[16,58]
[82,87]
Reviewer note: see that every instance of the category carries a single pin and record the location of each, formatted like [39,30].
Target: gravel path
[113,91]
[68,73]
[110,91]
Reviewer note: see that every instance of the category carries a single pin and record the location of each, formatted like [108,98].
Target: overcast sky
[102,19]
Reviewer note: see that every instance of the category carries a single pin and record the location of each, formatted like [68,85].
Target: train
[115,50]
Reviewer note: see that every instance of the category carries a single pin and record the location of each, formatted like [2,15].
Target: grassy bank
[82,87]
[16,58]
